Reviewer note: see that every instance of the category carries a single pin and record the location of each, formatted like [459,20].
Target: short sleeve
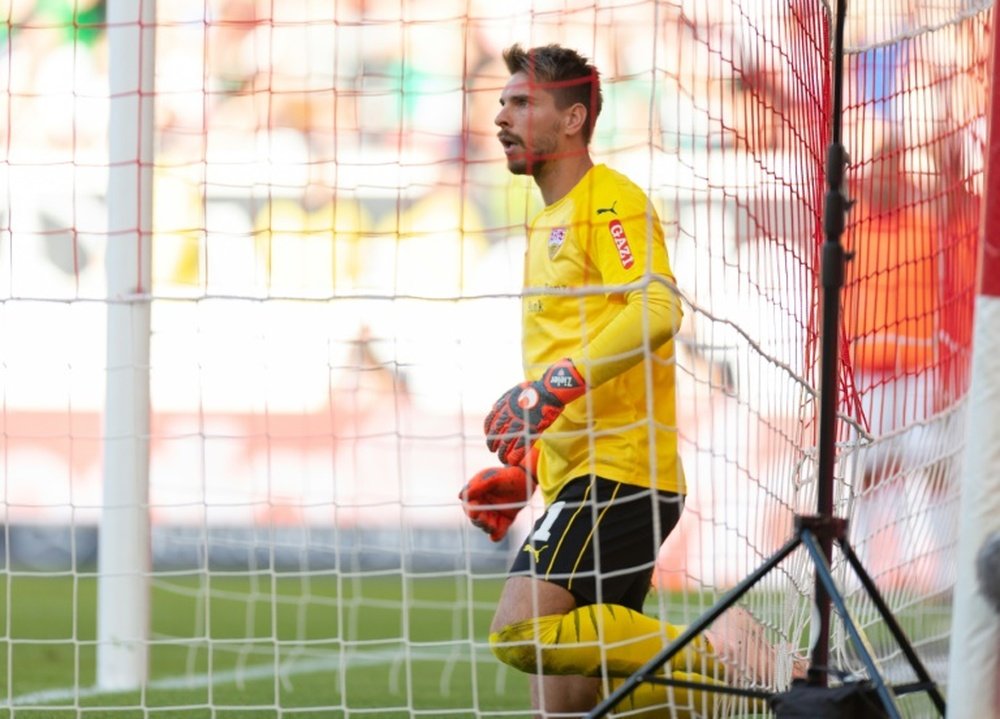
[629,244]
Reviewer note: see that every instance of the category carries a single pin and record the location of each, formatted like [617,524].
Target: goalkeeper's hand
[493,497]
[525,411]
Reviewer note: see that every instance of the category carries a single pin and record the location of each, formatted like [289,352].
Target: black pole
[832,280]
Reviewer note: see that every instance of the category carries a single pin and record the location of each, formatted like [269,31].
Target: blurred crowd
[339,159]
[281,125]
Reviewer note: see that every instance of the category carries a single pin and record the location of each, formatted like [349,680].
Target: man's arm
[651,317]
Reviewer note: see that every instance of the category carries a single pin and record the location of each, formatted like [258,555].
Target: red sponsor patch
[621,243]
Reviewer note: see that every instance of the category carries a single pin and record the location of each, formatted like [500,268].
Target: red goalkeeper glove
[493,497]
[525,411]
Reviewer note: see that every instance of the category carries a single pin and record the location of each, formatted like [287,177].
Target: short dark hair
[565,73]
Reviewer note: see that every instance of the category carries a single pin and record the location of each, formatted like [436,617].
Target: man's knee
[521,644]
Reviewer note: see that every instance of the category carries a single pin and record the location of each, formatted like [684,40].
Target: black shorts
[599,540]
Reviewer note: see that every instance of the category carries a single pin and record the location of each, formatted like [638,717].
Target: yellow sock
[597,638]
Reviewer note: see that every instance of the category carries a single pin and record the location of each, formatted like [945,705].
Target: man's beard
[532,162]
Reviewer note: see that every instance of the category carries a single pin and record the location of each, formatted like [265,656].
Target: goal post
[975,631]
[124,562]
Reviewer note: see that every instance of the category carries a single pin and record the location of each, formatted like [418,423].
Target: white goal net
[321,234]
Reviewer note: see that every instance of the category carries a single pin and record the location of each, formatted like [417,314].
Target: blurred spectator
[911,248]
[311,251]
[82,22]
[178,228]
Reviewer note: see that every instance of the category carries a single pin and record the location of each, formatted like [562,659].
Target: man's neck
[561,175]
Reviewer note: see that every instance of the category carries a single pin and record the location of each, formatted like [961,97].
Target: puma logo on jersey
[612,210]
[536,553]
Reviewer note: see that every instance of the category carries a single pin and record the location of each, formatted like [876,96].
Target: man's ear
[575,118]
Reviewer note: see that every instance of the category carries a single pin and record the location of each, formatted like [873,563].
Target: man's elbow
[665,320]
[660,335]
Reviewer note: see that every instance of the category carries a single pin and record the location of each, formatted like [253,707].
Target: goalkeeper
[594,423]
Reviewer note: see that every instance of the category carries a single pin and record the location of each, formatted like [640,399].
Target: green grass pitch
[342,644]
[267,645]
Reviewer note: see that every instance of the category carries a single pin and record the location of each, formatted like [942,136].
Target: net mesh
[337,258]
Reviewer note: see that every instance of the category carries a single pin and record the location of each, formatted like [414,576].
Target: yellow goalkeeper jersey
[599,291]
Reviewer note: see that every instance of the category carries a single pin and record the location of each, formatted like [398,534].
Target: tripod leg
[656,701]
[693,630]
[857,638]
[890,621]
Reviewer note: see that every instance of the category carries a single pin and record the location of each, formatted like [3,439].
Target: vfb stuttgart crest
[556,239]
